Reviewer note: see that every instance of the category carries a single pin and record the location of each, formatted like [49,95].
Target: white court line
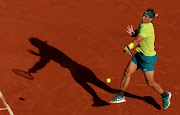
[5,103]
[3,108]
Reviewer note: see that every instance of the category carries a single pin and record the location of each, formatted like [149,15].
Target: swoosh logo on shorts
[145,69]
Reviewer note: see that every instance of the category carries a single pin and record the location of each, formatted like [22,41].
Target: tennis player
[145,58]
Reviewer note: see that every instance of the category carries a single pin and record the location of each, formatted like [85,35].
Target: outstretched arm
[34,53]
[39,65]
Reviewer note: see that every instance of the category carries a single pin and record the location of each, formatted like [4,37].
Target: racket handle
[129,51]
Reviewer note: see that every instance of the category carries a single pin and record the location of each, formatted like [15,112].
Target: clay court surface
[90,33]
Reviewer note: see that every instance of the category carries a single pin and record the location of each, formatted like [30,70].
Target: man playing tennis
[145,58]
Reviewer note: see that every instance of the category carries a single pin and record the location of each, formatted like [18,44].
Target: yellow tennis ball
[108,80]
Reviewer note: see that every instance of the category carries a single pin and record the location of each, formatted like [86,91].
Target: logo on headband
[149,14]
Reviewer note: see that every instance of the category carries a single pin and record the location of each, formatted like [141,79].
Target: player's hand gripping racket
[24,74]
[129,51]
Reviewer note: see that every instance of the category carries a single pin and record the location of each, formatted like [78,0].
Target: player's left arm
[135,42]
[40,64]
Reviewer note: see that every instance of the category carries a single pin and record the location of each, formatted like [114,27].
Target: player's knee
[151,83]
[127,73]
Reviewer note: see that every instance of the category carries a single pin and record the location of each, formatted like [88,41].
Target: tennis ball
[108,80]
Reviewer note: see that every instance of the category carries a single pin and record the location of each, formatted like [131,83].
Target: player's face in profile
[146,18]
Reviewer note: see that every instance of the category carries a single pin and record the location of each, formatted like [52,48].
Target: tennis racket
[24,74]
[129,51]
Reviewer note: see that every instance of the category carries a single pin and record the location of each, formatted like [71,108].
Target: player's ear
[151,19]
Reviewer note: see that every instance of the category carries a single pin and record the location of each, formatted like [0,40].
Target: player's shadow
[147,99]
[81,74]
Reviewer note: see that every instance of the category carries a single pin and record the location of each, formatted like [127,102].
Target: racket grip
[129,51]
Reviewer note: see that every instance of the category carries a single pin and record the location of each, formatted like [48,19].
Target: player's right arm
[33,52]
[131,31]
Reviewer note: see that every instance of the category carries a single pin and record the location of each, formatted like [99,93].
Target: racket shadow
[23,74]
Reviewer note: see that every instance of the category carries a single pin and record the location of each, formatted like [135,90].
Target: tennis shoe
[166,101]
[118,99]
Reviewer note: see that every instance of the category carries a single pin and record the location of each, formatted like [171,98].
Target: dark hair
[151,11]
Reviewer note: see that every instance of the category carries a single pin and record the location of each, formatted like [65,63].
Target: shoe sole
[169,100]
[118,101]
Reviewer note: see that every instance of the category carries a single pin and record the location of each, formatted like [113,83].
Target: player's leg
[131,68]
[149,75]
